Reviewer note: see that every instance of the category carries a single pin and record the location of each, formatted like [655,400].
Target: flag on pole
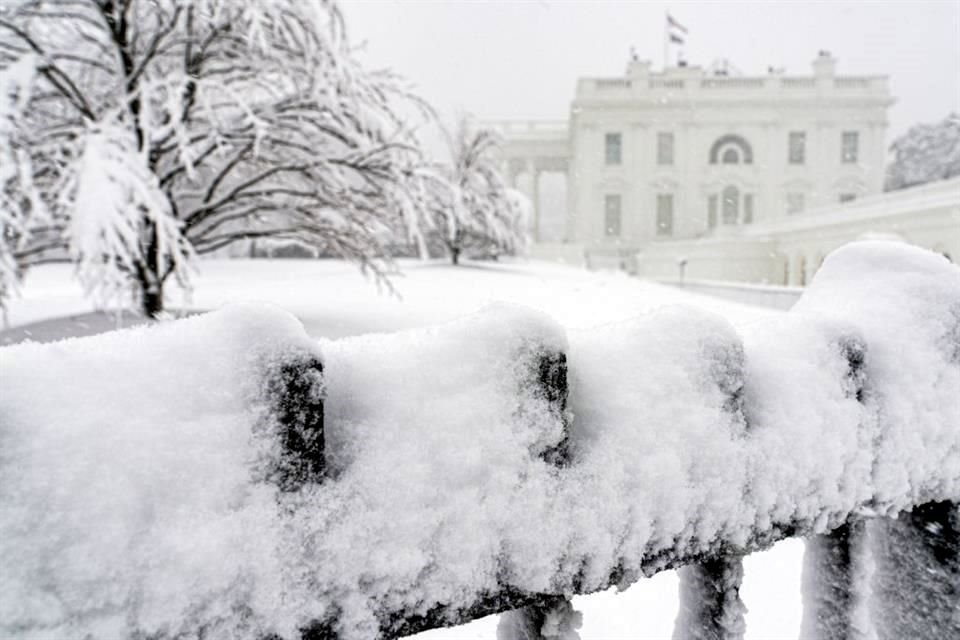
[676,32]
[675,25]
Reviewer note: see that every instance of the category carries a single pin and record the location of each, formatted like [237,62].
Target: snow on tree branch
[250,118]
[19,200]
[118,212]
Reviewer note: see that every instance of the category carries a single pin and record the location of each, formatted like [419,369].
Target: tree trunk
[150,280]
[455,255]
[151,300]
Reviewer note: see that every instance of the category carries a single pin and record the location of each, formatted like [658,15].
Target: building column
[811,265]
[570,203]
[535,196]
[796,270]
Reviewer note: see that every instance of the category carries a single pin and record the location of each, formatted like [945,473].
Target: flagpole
[673,32]
[666,40]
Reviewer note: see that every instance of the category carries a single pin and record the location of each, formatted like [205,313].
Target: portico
[530,149]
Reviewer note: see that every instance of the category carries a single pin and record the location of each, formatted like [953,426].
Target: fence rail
[226,476]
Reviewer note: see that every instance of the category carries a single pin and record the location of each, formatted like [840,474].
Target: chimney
[638,68]
[825,65]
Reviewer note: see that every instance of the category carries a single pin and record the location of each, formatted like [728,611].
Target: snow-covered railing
[225,476]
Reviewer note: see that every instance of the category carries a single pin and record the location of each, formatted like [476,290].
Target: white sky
[521,59]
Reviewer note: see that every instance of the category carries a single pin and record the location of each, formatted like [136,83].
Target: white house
[657,161]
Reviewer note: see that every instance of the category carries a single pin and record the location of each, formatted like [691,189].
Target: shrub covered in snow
[926,153]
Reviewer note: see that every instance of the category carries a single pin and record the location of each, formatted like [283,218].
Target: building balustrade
[627,86]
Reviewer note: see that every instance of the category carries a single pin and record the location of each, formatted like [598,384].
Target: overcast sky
[520,59]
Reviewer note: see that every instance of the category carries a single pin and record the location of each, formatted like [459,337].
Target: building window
[613,147]
[850,146]
[795,203]
[712,212]
[719,149]
[847,197]
[731,205]
[730,156]
[797,153]
[664,148]
[611,216]
[665,214]
[747,208]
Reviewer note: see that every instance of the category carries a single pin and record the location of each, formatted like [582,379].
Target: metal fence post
[294,392]
[553,616]
[710,605]
[916,581]
[833,583]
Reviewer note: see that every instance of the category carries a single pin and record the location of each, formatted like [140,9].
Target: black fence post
[554,618]
[710,605]
[833,580]
[551,617]
[294,393]
[916,580]
[551,386]
[832,584]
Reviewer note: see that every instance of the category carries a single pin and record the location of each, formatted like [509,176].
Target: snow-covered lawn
[333,300]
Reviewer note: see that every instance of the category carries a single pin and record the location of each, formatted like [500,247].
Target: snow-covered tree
[151,131]
[473,208]
[925,153]
[20,205]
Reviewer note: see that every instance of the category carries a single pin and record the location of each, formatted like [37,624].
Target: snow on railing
[225,476]
[600,87]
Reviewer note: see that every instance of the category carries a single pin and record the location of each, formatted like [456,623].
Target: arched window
[720,150]
[731,205]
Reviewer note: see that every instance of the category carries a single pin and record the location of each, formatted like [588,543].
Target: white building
[790,249]
[655,161]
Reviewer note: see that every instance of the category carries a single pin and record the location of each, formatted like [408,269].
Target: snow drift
[137,497]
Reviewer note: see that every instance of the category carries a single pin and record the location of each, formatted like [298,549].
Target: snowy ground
[333,300]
